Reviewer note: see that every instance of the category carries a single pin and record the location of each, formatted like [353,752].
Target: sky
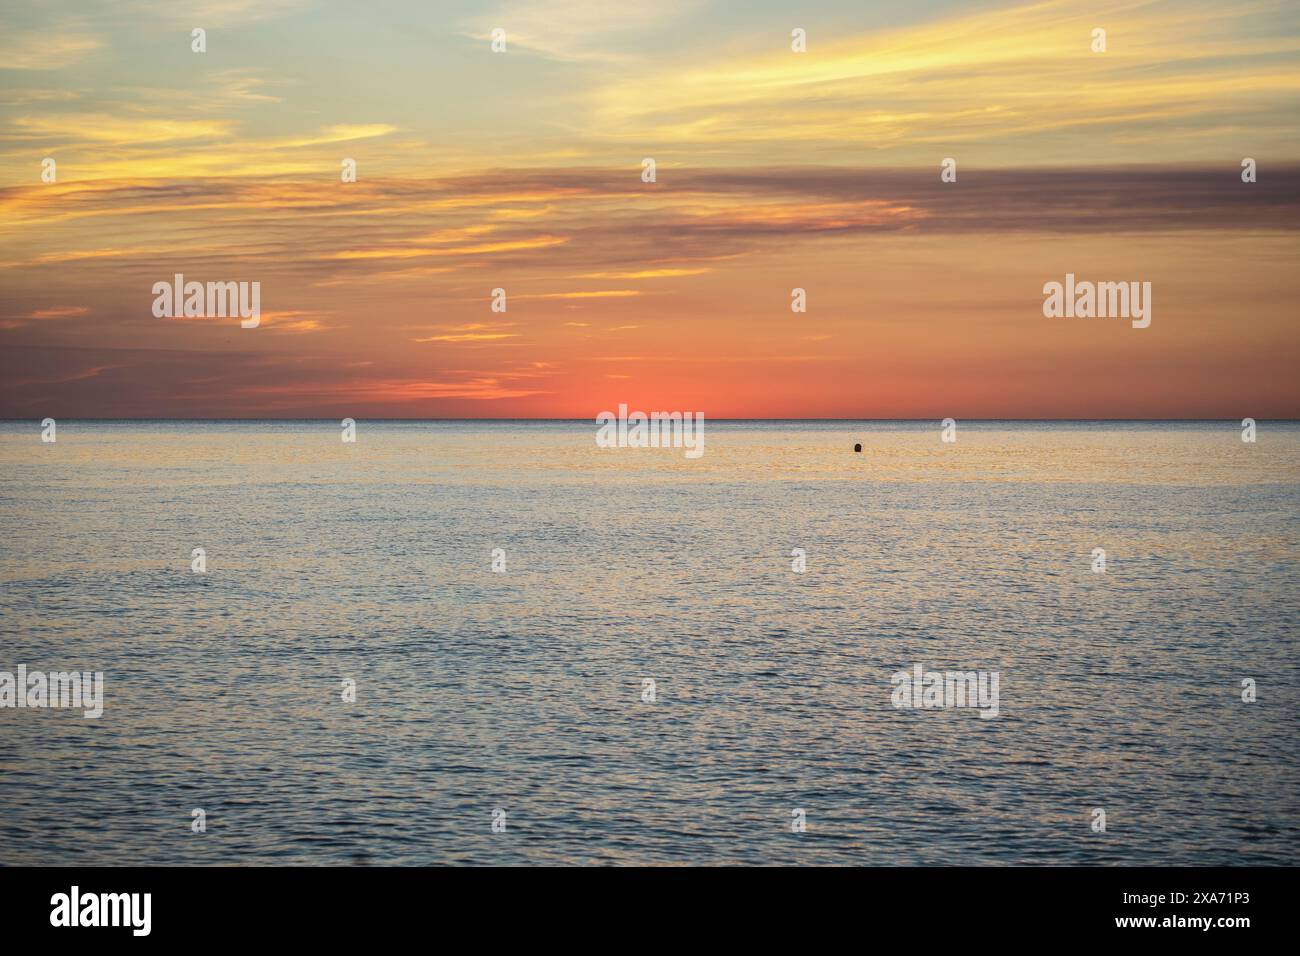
[522,170]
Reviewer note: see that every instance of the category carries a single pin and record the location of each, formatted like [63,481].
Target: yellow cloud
[44,51]
[642,274]
[598,294]
[482,248]
[988,75]
[99,128]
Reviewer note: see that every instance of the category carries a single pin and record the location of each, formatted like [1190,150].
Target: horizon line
[593,420]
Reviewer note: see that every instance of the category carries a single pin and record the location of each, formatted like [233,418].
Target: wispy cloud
[993,75]
[576,30]
[472,332]
[45,50]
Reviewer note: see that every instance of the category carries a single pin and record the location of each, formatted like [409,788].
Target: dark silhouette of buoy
[858,448]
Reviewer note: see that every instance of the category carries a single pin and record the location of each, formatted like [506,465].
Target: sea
[496,643]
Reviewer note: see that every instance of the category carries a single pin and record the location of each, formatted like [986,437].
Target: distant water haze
[523,690]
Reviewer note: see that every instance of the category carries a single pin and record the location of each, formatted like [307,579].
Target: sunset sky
[775,169]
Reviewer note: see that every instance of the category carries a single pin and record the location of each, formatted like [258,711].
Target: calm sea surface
[523,690]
